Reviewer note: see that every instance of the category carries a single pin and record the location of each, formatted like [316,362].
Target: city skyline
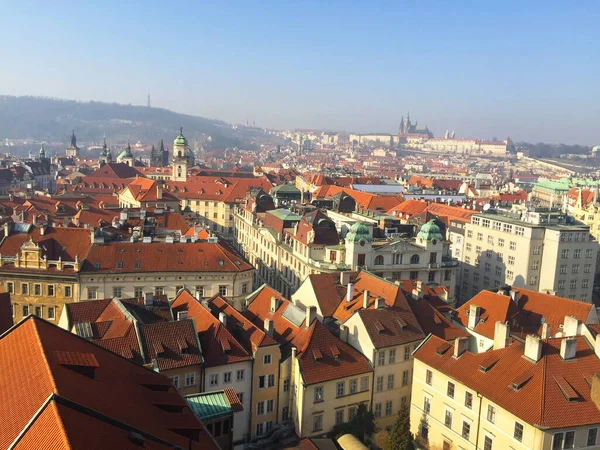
[492,70]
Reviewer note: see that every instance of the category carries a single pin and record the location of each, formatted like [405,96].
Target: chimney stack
[148,299]
[223,318]
[350,292]
[568,348]
[158,191]
[474,312]
[269,327]
[460,346]
[545,330]
[344,278]
[366,294]
[514,296]
[311,315]
[344,333]
[501,333]
[6,229]
[273,304]
[418,290]
[533,348]
[571,326]
[380,303]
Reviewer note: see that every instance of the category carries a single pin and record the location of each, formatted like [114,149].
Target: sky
[484,68]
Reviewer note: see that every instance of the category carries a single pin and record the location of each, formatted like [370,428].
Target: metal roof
[209,405]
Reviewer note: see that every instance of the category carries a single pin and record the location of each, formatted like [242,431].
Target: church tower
[156,155]
[72,150]
[126,157]
[105,156]
[180,158]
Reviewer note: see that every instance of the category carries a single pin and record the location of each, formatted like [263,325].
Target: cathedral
[159,155]
[406,127]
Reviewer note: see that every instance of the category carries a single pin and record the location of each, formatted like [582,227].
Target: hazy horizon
[483,69]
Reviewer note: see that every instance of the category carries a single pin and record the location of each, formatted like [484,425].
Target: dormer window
[136,264]
[119,264]
[97,265]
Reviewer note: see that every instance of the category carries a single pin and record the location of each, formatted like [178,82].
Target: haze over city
[490,69]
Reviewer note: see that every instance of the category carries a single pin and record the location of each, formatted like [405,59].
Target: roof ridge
[43,351]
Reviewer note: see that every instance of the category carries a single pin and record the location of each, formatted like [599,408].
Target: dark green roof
[209,405]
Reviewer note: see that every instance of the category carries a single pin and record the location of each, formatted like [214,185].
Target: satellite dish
[486,206]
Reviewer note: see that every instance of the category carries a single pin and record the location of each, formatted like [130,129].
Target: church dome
[430,231]
[180,140]
[122,155]
[359,231]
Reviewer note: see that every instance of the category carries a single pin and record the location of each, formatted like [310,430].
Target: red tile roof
[322,226]
[123,396]
[408,208]
[539,401]
[65,243]
[171,344]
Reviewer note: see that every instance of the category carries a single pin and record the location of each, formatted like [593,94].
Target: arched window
[414,259]
[379,260]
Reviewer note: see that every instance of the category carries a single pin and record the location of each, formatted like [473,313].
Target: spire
[42,151]
[73,143]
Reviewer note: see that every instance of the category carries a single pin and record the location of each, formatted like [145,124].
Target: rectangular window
[577,253]
[50,312]
[498,271]
[270,406]
[511,260]
[427,405]
[267,359]
[466,430]
[488,443]
[317,423]
[378,409]
[405,379]
[388,408]
[500,242]
[561,284]
[286,385]
[25,310]
[468,247]
[117,291]
[587,268]
[564,254]
[392,356]
[469,400]
[575,268]
[428,377]
[271,380]
[406,353]
[563,269]
[24,289]
[450,390]
[479,236]
[227,378]
[589,253]
[175,381]
[469,234]
[353,386]
[158,291]
[239,376]
[339,417]
[260,429]
[519,231]
[38,311]
[241,397]
[379,385]
[138,292]
[260,408]
[381,358]
[448,418]
[513,245]
[490,240]
[37,289]
[318,394]
[364,384]
[592,436]
[190,379]
[92,293]
[223,291]
[340,389]
[533,280]
[214,379]
[261,382]
[10,287]
[518,433]
[491,414]
[390,381]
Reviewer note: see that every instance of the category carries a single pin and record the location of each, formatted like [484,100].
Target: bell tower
[180,158]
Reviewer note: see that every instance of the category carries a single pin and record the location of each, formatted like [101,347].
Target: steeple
[73,143]
[180,158]
[72,150]
[42,152]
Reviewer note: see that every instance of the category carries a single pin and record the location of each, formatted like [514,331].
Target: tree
[400,437]
[361,425]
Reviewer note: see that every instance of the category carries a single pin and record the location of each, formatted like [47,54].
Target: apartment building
[541,394]
[541,250]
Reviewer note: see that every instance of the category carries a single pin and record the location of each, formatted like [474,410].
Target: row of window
[339,417]
[37,289]
[264,407]
[414,259]
[340,388]
[139,291]
[189,380]
[35,309]
[213,379]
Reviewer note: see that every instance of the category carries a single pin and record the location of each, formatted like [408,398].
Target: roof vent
[379,327]
[317,354]
[136,438]
[335,352]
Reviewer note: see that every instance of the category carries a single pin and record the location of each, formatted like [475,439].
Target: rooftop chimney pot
[533,348]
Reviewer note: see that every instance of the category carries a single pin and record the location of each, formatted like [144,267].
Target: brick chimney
[474,312]
[461,345]
[311,315]
[533,348]
[501,334]
[366,294]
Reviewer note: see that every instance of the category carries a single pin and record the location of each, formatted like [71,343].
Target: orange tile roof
[539,401]
[122,395]
[408,208]
[65,243]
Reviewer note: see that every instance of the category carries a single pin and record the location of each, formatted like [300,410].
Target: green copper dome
[430,231]
[180,140]
[359,231]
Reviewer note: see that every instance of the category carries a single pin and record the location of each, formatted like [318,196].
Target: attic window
[83,363]
[97,265]
[443,348]
[487,363]
[317,354]
[136,264]
[566,389]
[401,323]
[379,327]
[122,250]
[226,347]
[119,264]
[221,262]
[335,352]
[520,381]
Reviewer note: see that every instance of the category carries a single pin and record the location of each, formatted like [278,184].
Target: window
[431,276]
[480,236]
[392,356]
[406,353]
[535,265]
[577,253]
[353,386]
[24,289]
[340,389]
[519,231]
[227,378]
[592,436]
[507,228]
[117,291]
[511,260]
[498,271]
[509,275]
[491,414]
[414,259]
[381,358]
[339,417]
[428,377]
[214,379]
[270,406]
[575,268]
[469,234]
[260,429]
[564,254]
[448,418]
[379,386]
[469,400]
[427,405]
[267,359]
[92,293]
[500,242]
[450,390]
[136,264]
[175,381]
[488,253]
[487,267]
[378,408]
[318,394]
[50,312]
[390,381]
[378,260]
[490,240]
[573,284]
[561,284]
[317,423]
[476,277]
[37,289]
[585,283]
[260,408]
[138,292]
[10,287]
[496,225]
[563,440]
[364,384]
[513,245]
[563,269]
[159,290]
[478,250]
[285,413]
[190,379]
[518,433]
[241,397]
[587,268]
[466,430]
[488,443]
[388,408]
[533,280]
[25,310]
[38,311]
[239,376]
[468,247]
[244,288]
[405,378]
[261,382]
[271,380]
[589,252]
[223,291]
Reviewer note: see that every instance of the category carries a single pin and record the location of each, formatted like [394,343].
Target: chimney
[149,299]
[273,304]
[514,296]
[501,333]
[597,345]
[344,333]
[571,326]
[350,292]
[6,228]
[474,312]
[366,295]
[223,318]
[34,220]
[43,230]
[182,315]
[568,348]
[198,296]
[380,303]
[311,314]
[418,290]
[344,278]
[545,330]
[158,191]
[460,346]
[269,327]
[533,348]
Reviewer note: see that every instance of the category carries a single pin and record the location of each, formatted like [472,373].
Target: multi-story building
[541,250]
[536,395]
[549,194]
[146,193]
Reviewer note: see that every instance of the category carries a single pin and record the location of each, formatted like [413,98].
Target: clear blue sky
[528,69]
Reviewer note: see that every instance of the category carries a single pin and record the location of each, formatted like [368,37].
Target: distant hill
[49,119]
